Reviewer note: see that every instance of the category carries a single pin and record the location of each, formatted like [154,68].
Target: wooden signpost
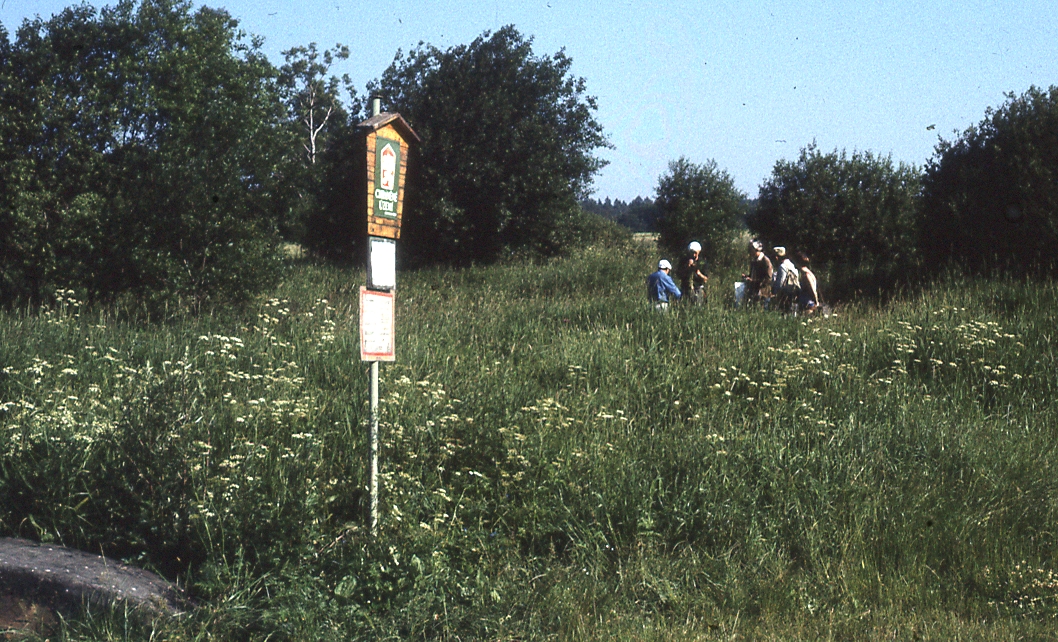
[386,145]
[387,137]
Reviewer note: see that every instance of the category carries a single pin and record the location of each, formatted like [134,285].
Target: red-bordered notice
[376,325]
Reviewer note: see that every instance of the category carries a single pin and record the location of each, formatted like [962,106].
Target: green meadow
[558,460]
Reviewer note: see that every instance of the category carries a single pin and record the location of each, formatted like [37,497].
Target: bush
[991,195]
[859,214]
[697,202]
[145,156]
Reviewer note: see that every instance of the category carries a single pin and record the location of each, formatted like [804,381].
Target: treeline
[986,201]
[639,215]
[149,150]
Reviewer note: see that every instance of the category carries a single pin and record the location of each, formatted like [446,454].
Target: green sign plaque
[387,177]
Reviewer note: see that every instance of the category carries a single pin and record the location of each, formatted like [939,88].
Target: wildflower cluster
[224,415]
[424,454]
[65,307]
[939,350]
[317,326]
[1025,590]
[795,378]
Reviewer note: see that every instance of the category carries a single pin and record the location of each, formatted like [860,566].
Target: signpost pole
[386,139]
[376,108]
[374,448]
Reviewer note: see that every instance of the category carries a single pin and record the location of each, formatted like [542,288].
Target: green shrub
[145,156]
[991,195]
[508,141]
[697,203]
[857,214]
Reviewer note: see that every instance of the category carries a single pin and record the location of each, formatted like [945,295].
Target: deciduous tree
[152,151]
[697,203]
[991,195]
[508,142]
[859,212]
[312,97]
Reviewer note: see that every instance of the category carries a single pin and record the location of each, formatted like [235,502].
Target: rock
[39,580]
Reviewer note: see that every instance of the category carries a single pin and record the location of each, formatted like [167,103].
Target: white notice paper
[382,269]
[376,325]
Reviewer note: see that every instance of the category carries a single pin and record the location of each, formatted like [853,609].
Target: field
[558,460]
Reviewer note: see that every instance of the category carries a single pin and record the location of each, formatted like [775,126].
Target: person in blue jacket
[660,286]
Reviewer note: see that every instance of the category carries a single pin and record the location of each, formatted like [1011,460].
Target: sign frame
[386,172]
[377,325]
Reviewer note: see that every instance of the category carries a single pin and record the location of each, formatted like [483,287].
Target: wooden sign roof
[388,118]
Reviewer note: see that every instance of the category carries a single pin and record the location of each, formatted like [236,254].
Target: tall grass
[559,461]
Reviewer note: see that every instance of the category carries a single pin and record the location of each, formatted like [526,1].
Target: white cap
[695,246]
[664,264]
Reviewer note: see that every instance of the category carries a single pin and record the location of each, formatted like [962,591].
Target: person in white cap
[691,270]
[660,286]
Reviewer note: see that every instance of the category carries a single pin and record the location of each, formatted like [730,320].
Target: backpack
[791,283]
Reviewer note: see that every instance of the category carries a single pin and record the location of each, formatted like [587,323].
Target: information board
[377,327]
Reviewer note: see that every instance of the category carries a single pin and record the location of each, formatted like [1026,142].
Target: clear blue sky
[743,83]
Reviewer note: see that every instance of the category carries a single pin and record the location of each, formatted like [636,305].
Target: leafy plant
[697,203]
[858,214]
[991,195]
[508,139]
[145,157]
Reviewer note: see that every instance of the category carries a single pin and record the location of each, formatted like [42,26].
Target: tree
[151,153]
[859,212]
[697,203]
[313,98]
[991,195]
[640,215]
[316,112]
[507,147]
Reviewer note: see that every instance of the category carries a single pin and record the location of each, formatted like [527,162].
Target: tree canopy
[697,203]
[638,215]
[991,195]
[145,153]
[508,142]
[859,211]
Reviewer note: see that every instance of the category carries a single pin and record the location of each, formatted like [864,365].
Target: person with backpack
[691,270]
[786,283]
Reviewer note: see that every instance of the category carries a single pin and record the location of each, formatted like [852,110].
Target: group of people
[782,285]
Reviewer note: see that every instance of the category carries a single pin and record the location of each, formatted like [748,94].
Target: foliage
[313,98]
[335,226]
[639,215]
[148,156]
[697,203]
[558,460]
[507,147]
[316,111]
[991,195]
[858,213]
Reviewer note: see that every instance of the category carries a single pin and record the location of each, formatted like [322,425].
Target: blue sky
[746,84]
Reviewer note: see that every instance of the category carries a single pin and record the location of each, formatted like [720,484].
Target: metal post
[374,448]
